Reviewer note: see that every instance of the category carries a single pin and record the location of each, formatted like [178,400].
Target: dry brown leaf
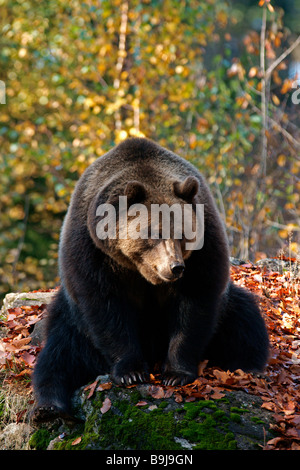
[18,344]
[275,441]
[269,405]
[217,394]
[105,406]
[157,392]
[106,386]
[76,441]
[91,387]
[178,398]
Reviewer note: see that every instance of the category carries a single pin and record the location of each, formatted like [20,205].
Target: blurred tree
[266,89]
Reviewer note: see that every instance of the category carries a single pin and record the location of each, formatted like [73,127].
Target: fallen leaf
[18,344]
[28,358]
[152,407]
[190,399]
[268,406]
[217,395]
[157,392]
[169,392]
[105,406]
[178,398]
[91,387]
[76,441]
[106,386]
[275,441]
[20,415]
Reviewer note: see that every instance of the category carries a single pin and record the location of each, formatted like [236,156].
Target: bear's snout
[170,265]
[171,271]
[177,269]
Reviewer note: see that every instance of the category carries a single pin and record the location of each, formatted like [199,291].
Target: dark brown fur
[122,308]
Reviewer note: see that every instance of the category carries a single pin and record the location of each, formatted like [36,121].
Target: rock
[236,261]
[20,299]
[280,266]
[38,332]
[135,420]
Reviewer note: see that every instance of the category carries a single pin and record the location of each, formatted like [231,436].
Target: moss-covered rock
[134,420]
[40,439]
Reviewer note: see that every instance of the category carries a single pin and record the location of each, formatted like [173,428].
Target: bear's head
[144,229]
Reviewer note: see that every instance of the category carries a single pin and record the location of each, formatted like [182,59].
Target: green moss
[163,405]
[137,429]
[40,439]
[257,420]
[192,412]
[193,409]
[126,426]
[235,417]
[235,409]
[135,396]
[220,415]
[206,426]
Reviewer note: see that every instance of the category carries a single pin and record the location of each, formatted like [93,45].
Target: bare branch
[282,57]
[283,226]
[22,238]
[281,129]
[121,55]
[264,143]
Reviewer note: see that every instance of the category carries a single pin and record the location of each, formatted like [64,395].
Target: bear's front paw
[123,374]
[49,412]
[172,378]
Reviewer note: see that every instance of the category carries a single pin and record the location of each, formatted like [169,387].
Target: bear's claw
[173,378]
[43,413]
[132,378]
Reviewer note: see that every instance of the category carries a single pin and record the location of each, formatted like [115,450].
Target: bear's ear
[187,189]
[135,192]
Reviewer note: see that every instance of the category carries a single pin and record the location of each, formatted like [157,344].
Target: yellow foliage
[281,159]
[73,92]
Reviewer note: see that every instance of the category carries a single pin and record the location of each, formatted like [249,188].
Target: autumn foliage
[81,76]
[196,78]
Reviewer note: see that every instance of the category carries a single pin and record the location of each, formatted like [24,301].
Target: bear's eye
[135,192]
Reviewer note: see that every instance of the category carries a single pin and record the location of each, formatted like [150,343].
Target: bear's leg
[111,325]
[241,338]
[66,362]
[191,326]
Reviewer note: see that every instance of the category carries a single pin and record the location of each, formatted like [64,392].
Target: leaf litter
[278,386]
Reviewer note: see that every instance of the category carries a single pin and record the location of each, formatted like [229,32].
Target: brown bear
[131,305]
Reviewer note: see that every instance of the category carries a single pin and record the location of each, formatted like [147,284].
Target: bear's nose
[177,269]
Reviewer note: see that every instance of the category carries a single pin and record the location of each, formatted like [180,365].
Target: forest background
[215,81]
